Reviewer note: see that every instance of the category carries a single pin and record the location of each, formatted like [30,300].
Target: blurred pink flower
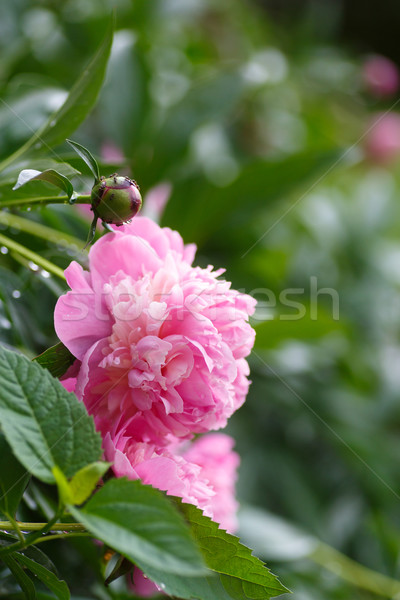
[382,141]
[85,210]
[156,201]
[141,585]
[381,76]
[111,153]
[162,343]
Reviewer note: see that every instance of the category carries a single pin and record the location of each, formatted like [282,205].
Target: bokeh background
[268,133]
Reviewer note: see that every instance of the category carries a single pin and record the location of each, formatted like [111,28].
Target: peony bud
[116,199]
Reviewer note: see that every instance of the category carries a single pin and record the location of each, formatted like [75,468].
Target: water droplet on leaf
[33,266]
[5,323]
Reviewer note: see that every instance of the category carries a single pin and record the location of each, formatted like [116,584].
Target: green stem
[30,255]
[35,535]
[39,230]
[39,530]
[354,573]
[60,536]
[43,200]
[17,529]
[10,526]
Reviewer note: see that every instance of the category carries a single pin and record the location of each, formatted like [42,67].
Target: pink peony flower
[162,344]
[202,472]
[381,76]
[162,467]
[69,383]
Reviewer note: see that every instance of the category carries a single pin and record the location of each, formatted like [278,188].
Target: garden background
[257,131]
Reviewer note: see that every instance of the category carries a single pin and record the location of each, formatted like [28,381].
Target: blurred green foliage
[259,132]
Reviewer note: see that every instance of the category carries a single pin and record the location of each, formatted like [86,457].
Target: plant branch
[43,200]
[62,536]
[38,230]
[354,573]
[10,526]
[17,529]
[30,255]
[38,533]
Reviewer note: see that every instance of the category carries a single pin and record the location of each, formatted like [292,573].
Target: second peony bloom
[161,344]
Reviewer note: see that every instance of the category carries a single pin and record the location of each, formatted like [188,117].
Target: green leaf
[303,325]
[9,175]
[50,175]
[225,555]
[45,425]
[143,525]
[121,568]
[37,555]
[62,485]
[82,483]
[88,158]
[56,585]
[85,480]
[76,107]
[56,359]
[191,588]
[13,479]
[6,539]
[23,579]
[238,574]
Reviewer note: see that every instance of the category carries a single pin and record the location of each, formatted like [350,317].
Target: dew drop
[38,145]
[61,245]
[52,123]
[5,323]
[29,208]
[4,250]
[33,266]
[45,274]
[16,294]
